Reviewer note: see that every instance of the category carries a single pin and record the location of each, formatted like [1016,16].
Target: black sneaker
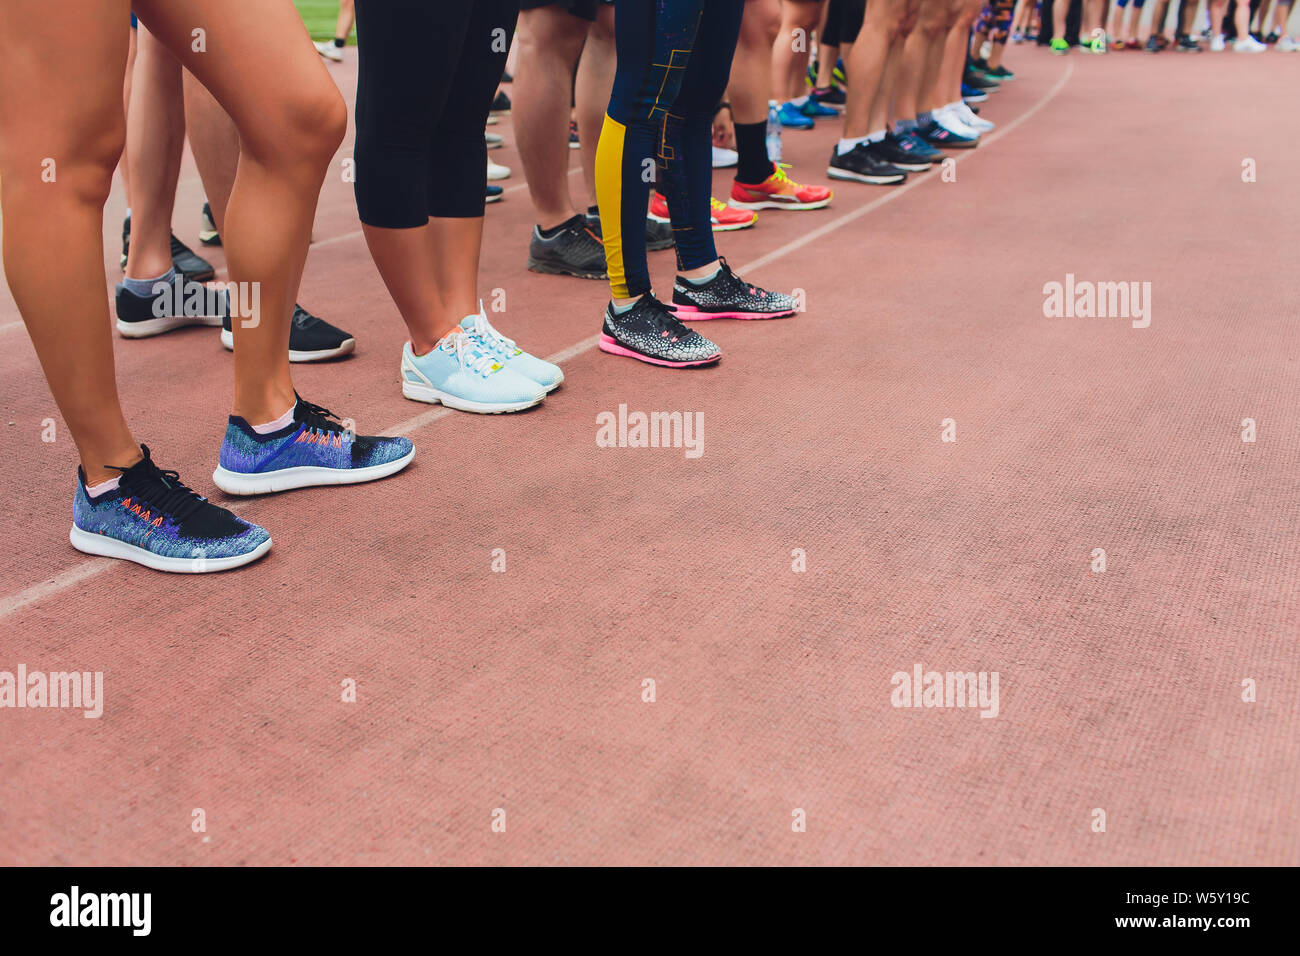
[864,165]
[208,228]
[501,104]
[830,96]
[658,232]
[153,519]
[937,135]
[1153,45]
[573,248]
[727,296]
[981,82]
[904,153]
[650,332]
[1187,45]
[311,338]
[170,306]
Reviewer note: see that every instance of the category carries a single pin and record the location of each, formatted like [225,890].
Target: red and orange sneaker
[778,191]
[724,218]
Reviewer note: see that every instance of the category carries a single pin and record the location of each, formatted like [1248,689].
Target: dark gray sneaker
[572,248]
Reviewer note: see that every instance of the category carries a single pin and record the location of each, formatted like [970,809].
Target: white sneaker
[330,51]
[1248,45]
[1288,45]
[1218,44]
[493,140]
[497,171]
[724,158]
[973,120]
[950,121]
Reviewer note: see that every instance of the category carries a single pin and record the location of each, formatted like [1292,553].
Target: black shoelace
[163,491]
[317,418]
[663,316]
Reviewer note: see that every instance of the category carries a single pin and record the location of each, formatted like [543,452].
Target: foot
[184,260]
[311,339]
[572,248]
[153,519]
[727,296]
[488,339]
[171,306]
[208,234]
[829,96]
[651,332]
[330,51]
[908,154]
[1187,45]
[462,372]
[778,191]
[501,103]
[724,158]
[862,164]
[313,449]
[792,117]
[1248,45]
[1059,46]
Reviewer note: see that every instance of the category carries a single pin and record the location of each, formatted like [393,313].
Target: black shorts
[583,9]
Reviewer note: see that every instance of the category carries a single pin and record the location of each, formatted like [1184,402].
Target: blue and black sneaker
[313,449]
[153,519]
[937,135]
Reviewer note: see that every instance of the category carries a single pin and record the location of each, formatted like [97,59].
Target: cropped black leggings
[428,72]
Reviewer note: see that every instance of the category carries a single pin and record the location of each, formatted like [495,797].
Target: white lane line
[88,569]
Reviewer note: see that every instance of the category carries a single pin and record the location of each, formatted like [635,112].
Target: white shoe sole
[346,347]
[106,547]
[152,327]
[304,476]
[777,204]
[425,393]
[834,172]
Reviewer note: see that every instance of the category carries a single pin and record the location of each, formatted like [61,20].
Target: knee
[80,171]
[307,127]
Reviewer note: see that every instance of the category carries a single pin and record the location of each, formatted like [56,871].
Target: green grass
[320,17]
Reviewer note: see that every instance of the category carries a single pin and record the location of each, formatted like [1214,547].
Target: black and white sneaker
[863,164]
[311,339]
[571,248]
[650,332]
[173,305]
[208,234]
[727,296]
[658,232]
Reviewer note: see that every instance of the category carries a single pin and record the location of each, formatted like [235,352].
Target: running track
[523,690]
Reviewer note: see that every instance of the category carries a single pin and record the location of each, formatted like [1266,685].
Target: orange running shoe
[779,191]
[725,219]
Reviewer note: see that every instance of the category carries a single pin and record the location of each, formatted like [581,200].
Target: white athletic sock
[94,491]
[281,422]
[877,136]
[845,146]
[799,100]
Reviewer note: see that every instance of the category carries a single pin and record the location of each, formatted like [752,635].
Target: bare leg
[750,87]
[215,142]
[123,165]
[595,80]
[550,40]
[902,19]
[790,51]
[867,67]
[53,240]
[155,134]
[289,131]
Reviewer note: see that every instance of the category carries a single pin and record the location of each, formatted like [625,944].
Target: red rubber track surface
[522,691]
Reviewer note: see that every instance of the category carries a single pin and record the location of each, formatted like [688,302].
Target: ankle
[264,405]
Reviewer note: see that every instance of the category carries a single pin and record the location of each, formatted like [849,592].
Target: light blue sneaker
[792,117]
[464,374]
[488,338]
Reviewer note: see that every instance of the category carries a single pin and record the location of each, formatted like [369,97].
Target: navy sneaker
[920,148]
[172,305]
[311,338]
[972,95]
[904,154]
[937,135]
[313,449]
[153,519]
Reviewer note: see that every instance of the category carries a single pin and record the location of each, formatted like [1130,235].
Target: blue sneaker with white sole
[313,449]
[511,356]
[792,117]
[462,372]
[154,519]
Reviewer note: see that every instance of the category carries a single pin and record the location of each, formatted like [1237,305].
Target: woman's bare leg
[790,50]
[215,142]
[155,132]
[123,164]
[57,156]
[290,126]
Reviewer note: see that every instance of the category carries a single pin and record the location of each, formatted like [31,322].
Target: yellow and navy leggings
[674,57]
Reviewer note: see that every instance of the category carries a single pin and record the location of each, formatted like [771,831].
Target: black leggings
[429,70]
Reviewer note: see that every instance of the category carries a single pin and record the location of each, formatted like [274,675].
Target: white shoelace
[485,328]
[467,354]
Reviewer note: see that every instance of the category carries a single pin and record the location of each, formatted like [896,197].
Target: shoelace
[664,318]
[174,499]
[483,328]
[736,282]
[316,418]
[467,354]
